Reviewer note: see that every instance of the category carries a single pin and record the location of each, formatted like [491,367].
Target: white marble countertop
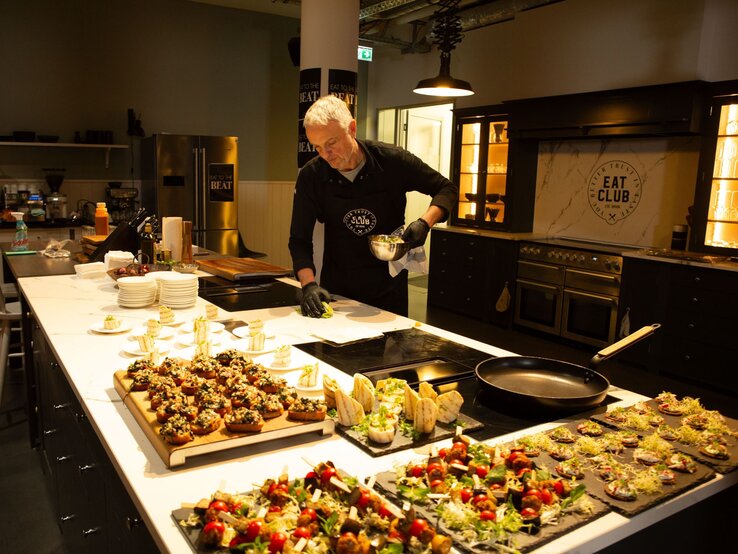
[67,306]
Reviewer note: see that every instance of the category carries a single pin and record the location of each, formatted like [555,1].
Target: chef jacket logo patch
[360,221]
[614,191]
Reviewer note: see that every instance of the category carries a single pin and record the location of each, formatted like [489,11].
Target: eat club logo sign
[614,190]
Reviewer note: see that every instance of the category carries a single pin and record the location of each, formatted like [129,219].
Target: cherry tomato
[559,487]
[274,508]
[525,473]
[253,530]
[276,542]
[479,498]
[364,499]
[533,492]
[236,508]
[528,513]
[395,535]
[436,484]
[443,452]
[311,475]
[487,515]
[272,488]
[465,494]
[546,497]
[435,466]
[238,539]
[219,505]
[384,512]
[416,471]
[327,474]
[482,471]
[309,512]
[302,533]
[282,487]
[514,454]
[417,527]
[213,532]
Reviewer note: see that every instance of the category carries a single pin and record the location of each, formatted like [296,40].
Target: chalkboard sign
[221,186]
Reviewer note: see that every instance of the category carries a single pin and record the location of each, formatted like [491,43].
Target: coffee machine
[56,202]
[121,202]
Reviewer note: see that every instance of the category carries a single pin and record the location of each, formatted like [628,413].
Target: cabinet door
[716,198]
[480,169]
[502,258]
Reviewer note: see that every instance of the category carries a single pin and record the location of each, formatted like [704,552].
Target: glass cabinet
[715,227]
[481,169]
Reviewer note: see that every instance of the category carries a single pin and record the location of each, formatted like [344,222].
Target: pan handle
[622,344]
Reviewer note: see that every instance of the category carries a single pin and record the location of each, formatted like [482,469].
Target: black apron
[353,211]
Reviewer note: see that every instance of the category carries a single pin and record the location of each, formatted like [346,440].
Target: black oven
[568,292]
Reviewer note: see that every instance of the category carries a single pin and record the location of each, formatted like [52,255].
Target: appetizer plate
[100,328]
[213,327]
[164,334]
[317,387]
[134,349]
[241,332]
[176,321]
[269,346]
[298,360]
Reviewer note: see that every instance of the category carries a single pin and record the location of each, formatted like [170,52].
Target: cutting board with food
[492,499]
[237,269]
[693,429]
[327,510]
[392,416]
[224,402]
[629,472]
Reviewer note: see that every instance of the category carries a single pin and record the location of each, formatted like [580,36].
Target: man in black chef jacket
[357,188]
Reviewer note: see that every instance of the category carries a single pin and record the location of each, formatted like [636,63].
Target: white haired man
[357,188]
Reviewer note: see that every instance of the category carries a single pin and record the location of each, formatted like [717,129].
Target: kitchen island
[66,307]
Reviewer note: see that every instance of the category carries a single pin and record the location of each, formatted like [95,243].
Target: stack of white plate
[136,292]
[177,290]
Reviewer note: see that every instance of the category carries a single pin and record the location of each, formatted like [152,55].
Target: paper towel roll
[171,236]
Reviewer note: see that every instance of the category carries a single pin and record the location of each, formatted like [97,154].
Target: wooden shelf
[106,147]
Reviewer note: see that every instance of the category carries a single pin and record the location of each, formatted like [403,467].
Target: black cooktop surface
[253,295]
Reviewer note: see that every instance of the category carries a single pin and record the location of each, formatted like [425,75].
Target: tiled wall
[578,181]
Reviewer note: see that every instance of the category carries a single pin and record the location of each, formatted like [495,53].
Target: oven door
[538,306]
[589,318]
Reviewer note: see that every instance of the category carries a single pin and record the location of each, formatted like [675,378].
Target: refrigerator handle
[204,189]
[196,165]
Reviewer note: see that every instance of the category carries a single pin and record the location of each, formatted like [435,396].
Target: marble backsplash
[624,191]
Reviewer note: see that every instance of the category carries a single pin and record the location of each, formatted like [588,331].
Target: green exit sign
[365,53]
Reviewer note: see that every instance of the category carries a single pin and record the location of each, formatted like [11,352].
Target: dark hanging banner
[221,186]
[342,83]
[309,93]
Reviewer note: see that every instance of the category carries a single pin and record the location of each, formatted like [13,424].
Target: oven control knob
[608,265]
[616,266]
[581,257]
[565,256]
[536,251]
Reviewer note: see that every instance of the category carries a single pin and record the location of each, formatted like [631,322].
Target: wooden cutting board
[236,269]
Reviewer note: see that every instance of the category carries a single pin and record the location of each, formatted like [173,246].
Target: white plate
[176,321]
[100,328]
[189,339]
[318,386]
[164,333]
[213,327]
[134,349]
[242,345]
[298,359]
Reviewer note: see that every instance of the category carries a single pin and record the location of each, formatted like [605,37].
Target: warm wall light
[447,34]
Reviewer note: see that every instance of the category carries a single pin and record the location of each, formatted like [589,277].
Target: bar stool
[10,317]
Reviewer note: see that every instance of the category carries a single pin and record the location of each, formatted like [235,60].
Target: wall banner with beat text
[614,190]
[342,83]
[309,93]
[221,186]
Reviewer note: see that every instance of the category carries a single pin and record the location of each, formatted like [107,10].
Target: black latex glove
[416,233]
[313,296]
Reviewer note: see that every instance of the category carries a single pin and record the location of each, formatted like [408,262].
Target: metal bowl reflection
[387,248]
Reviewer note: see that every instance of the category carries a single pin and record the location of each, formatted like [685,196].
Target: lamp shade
[443,84]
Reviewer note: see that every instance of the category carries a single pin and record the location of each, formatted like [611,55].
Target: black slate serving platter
[521,541]
[402,442]
[596,486]
[721,466]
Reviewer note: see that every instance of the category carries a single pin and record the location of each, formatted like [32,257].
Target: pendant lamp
[446,35]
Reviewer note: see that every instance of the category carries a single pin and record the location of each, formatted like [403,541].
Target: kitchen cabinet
[93,510]
[106,147]
[715,226]
[496,176]
[43,233]
[698,311]
[468,273]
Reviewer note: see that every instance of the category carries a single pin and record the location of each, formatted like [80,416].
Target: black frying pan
[544,384]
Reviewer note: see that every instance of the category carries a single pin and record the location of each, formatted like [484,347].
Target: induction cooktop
[254,295]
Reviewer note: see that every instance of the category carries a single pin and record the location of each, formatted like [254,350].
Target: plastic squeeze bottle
[101,219]
[20,241]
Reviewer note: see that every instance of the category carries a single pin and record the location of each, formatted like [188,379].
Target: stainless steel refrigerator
[194,177]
